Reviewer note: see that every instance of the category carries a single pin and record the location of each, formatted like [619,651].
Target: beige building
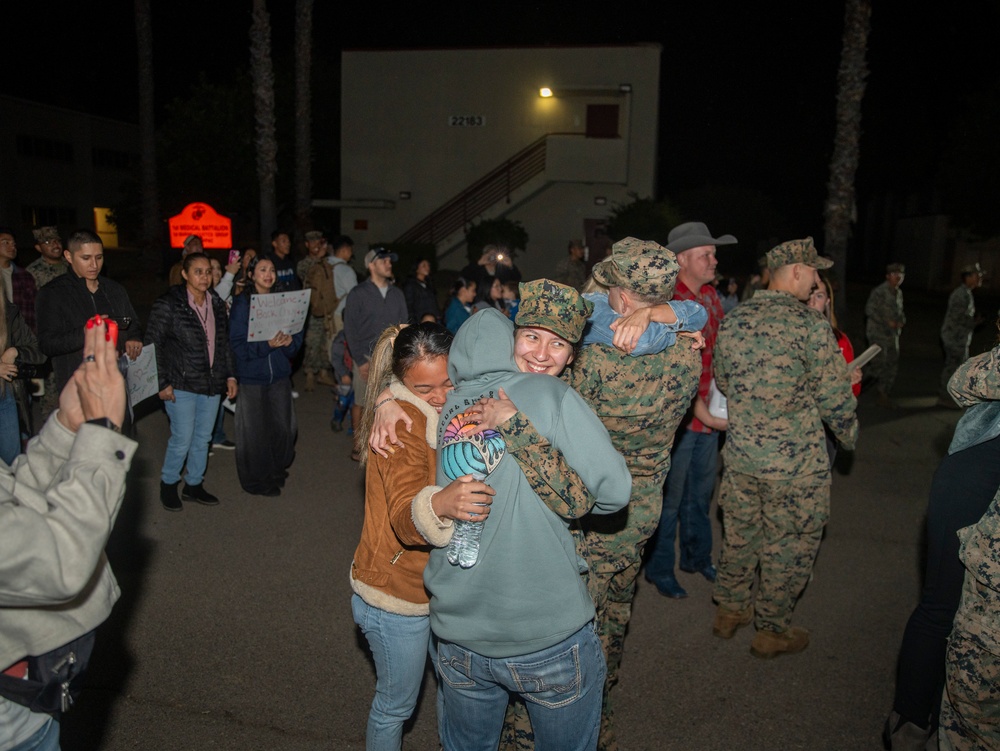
[63,168]
[433,140]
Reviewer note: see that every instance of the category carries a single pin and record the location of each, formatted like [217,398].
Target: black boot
[199,494]
[168,496]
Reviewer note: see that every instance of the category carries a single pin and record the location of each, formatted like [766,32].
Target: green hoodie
[525,593]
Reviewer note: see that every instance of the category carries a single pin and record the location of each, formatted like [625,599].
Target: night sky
[747,88]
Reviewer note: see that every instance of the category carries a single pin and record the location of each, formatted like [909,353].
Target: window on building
[602,121]
[44,148]
[48,216]
[107,230]
[114,159]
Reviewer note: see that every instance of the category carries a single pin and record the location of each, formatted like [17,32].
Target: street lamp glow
[545,91]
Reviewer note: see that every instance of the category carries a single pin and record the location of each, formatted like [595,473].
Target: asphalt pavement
[234,629]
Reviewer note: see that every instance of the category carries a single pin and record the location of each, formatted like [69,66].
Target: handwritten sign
[142,379]
[278,311]
[215,230]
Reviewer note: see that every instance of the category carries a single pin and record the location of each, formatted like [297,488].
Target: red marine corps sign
[215,230]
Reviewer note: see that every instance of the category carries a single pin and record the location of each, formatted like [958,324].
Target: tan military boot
[310,381]
[727,622]
[768,644]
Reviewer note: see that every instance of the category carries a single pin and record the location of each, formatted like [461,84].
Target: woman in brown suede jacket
[405,514]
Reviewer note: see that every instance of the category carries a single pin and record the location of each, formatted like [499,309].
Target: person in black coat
[418,289]
[189,327]
[64,305]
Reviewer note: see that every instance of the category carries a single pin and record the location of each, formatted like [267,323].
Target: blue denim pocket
[454,665]
[551,683]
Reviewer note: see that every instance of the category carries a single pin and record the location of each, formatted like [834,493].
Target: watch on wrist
[104,422]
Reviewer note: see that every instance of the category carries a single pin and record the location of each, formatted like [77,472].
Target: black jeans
[265,435]
[962,489]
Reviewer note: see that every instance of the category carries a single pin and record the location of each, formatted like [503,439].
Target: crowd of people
[570,427]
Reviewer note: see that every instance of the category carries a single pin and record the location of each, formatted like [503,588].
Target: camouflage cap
[549,305]
[641,266]
[797,251]
[45,234]
[314,234]
[895,268]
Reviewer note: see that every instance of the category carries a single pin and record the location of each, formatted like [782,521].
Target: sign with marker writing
[278,311]
[142,378]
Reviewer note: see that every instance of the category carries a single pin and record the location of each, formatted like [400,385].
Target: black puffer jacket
[182,346]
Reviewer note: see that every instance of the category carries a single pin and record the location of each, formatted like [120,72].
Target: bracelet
[384,401]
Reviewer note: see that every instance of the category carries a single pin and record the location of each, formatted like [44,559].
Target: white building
[433,140]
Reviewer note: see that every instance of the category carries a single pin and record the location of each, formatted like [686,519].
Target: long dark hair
[397,350]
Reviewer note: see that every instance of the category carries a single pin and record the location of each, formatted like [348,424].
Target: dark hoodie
[525,593]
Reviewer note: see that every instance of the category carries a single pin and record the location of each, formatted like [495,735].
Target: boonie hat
[694,235]
[549,305]
[377,253]
[45,234]
[797,251]
[642,266]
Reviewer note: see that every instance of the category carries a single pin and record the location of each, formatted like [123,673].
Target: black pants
[265,435]
[963,488]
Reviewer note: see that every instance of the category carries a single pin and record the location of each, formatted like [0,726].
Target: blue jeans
[687,496]
[10,430]
[46,739]
[562,686]
[399,645]
[192,417]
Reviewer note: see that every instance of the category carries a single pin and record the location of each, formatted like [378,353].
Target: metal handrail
[490,189]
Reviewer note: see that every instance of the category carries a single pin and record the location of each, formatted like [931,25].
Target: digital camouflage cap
[549,305]
[641,266]
[45,234]
[797,251]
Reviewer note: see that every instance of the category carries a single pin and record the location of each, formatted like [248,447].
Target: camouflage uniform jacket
[977,379]
[884,306]
[980,552]
[572,273]
[778,363]
[45,272]
[640,400]
[959,318]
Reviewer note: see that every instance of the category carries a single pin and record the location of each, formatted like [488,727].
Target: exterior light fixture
[625,88]
[545,92]
[600,200]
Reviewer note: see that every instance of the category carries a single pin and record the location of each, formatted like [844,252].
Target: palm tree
[262,73]
[841,211]
[303,112]
[147,136]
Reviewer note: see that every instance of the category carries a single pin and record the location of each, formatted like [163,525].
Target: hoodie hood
[483,348]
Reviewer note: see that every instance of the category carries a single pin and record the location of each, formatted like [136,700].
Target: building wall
[431,122]
[59,165]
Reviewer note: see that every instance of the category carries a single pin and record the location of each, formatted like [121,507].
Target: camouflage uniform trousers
[970,707]
[317,346]
[776,525]
[615,544]
[956,351]
[885,366]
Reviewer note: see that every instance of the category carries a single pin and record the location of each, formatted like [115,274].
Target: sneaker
[769,644]
[668,588]
[198,494]
[728,622]
[168,496]
[226,444]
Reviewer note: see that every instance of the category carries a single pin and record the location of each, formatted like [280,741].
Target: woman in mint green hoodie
[519,621]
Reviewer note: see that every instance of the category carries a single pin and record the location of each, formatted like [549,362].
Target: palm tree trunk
[303,113]
[262,74]
[149,195]
[841,208]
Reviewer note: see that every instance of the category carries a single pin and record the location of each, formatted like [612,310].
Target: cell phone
[112,331]
[234,256]
[499,256]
